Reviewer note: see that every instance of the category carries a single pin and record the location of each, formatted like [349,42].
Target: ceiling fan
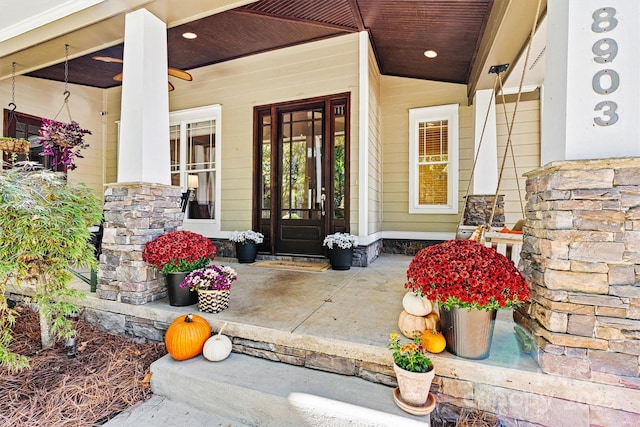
[175,72]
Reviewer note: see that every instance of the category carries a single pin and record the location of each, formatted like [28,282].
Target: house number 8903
[605,81]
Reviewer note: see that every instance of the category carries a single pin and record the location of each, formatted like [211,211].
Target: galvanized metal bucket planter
[468,333]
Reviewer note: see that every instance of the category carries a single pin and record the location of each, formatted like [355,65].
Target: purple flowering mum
[211,277]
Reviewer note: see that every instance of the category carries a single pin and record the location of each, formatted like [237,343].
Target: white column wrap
[143,154]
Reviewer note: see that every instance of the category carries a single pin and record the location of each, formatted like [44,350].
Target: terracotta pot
[414,386]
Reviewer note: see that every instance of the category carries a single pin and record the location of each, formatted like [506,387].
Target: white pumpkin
[218,347]
[416,305]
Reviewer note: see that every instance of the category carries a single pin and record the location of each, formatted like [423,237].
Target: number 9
[605,48]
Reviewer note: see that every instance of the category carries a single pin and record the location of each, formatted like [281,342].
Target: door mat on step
[314,267]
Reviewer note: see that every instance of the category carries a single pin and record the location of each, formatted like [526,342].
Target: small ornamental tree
[44,230]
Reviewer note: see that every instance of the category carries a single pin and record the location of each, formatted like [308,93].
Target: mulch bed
[108,374]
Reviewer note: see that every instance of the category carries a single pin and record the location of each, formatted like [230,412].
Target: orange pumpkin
[433,341]
[411,325]
[186,336]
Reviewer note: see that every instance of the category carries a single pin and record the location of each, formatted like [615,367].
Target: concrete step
[258,392]
[159,411]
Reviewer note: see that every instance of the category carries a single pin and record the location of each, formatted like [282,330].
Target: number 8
[605,16]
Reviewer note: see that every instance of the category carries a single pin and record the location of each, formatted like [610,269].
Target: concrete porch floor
[349,314]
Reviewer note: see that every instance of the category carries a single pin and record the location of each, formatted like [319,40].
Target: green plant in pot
[44,230]
[247,244]
[414,373]
[176,254]
[470,282]
[340,247]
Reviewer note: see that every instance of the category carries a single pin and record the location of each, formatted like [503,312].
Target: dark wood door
[302,185]
[300,223]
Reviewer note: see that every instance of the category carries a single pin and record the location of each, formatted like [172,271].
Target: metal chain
[66,66]
[513,119]
[13,82]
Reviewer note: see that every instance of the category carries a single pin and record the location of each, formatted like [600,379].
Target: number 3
[608,110]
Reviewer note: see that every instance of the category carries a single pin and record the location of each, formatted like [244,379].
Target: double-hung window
[195,141]
[433,160]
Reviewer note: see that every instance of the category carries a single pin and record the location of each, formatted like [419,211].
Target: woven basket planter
[213,301]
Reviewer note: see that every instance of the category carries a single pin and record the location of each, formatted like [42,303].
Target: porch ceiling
[400,31]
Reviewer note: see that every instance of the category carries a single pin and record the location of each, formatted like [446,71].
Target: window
[27,127]
[194,138]
[433,159]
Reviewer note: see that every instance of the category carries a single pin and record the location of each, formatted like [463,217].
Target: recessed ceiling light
[430,53]
[189,35]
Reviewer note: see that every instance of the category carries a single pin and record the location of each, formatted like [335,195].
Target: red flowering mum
[467,274]
[179,251]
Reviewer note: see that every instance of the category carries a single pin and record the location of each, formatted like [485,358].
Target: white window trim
[425,114]
[206,227]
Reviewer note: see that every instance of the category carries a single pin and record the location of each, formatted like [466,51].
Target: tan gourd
[432,321]
[411,325]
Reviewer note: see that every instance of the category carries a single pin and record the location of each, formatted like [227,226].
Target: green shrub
[44,230]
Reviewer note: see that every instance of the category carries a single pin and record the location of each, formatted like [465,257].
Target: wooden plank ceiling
[400,32]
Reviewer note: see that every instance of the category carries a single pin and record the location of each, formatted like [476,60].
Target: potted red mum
[470,282]
[176,254]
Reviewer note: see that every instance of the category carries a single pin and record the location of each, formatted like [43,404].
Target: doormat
[314,267]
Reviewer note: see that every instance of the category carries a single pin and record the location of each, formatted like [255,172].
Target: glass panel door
[302,186]
[301,190]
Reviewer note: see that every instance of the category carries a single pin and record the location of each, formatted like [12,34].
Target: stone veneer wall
[581,255]
[478,208]
[134,214]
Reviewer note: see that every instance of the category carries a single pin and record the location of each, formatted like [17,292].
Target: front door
[302,187]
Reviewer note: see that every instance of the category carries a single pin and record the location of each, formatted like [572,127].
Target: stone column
[135,213]
[581,256]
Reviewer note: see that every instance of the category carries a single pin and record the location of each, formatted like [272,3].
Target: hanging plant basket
[14,145]
[62,141]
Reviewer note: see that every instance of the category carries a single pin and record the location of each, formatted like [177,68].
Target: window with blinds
[433,162]
[433,168]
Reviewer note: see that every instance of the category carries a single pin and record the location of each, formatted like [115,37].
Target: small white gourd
[218,347]
[416,305]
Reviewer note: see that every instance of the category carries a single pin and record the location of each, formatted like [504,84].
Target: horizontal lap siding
[316,69]
[525,139]
[398,96]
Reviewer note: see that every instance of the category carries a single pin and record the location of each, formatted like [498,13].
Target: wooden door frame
[331,225]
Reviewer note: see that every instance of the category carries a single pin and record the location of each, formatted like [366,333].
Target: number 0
[614,81]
